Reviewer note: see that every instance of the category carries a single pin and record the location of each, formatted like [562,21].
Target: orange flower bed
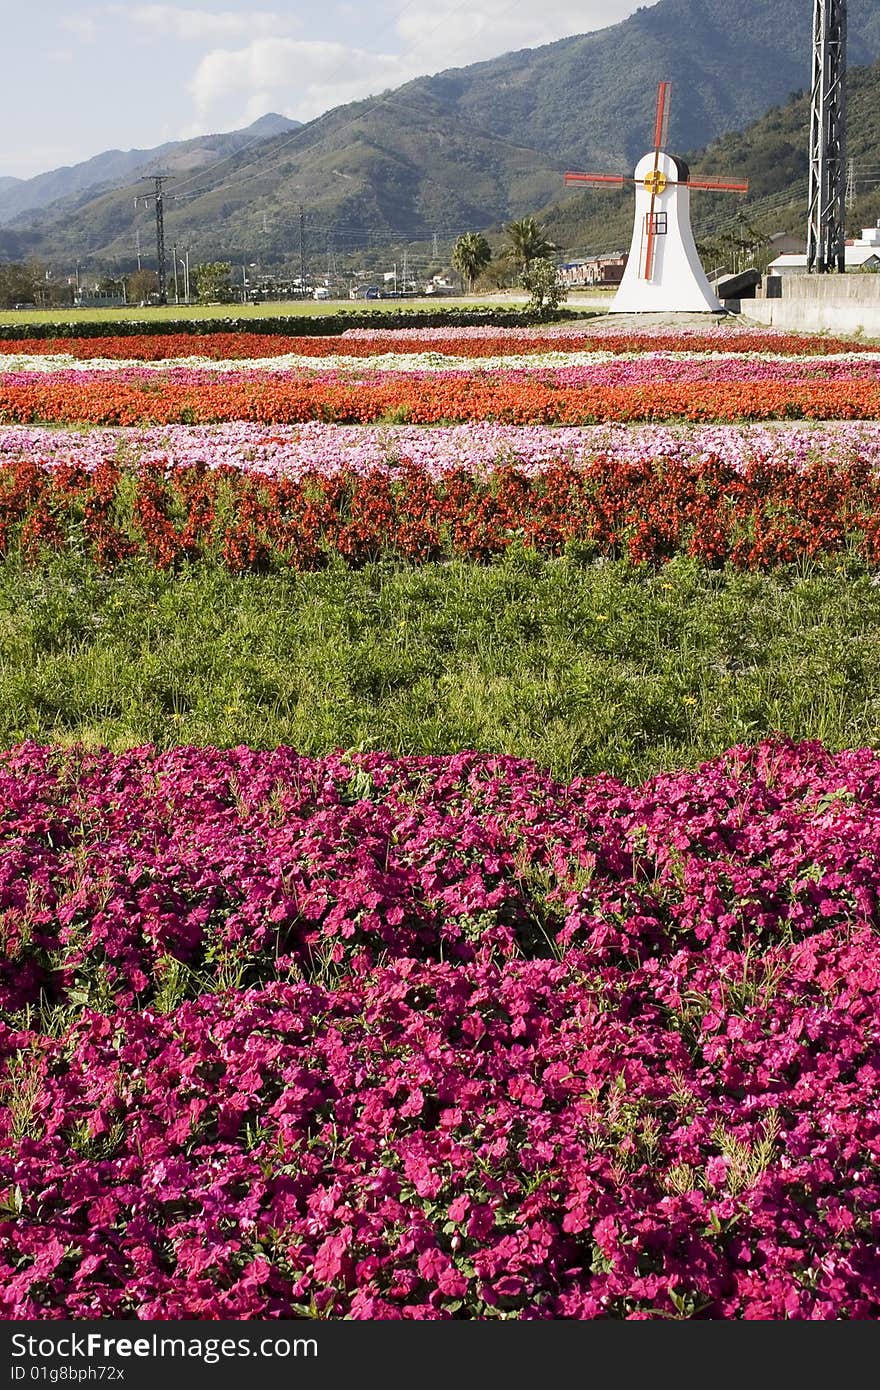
[426,400]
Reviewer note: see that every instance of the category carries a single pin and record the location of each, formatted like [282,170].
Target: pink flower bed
[291,450]
[438,1037]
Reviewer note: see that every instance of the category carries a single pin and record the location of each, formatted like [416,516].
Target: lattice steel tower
[826,233]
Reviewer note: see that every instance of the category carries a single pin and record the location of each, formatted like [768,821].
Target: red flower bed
[426,400]
[229,346]
[768,513]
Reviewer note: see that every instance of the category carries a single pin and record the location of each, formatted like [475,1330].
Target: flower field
[439,378]
[373,1033]
[649,509]
[428,1038]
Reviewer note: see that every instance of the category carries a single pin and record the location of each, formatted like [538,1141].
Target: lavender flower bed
[292,450]
[438,1037]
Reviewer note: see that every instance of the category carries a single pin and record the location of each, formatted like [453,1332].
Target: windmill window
[656,222]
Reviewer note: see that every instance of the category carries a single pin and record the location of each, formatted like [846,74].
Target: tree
[140,285]
[471,254]
[500,273]
[214,282]
[26,284]
[527,242]
[18,285]
[541,279]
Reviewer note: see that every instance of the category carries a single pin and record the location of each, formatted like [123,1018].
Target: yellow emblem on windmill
[655,181]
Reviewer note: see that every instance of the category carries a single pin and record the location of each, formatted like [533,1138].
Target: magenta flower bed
[438,1037]
[644,370]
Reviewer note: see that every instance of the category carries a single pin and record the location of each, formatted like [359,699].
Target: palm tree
[471,254]
[526,241]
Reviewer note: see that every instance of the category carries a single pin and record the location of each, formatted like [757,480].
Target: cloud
[302,78]
[449,34]
[299,77]
[82,26]
[154,22]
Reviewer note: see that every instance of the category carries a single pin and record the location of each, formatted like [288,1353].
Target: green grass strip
[585,668]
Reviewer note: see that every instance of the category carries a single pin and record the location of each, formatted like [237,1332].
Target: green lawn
[584,668]
[295,307]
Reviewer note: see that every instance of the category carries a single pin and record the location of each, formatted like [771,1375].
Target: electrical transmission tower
[158,180]
[302,252]
[826,232]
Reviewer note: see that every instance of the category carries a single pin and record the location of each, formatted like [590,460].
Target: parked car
[321,293]
[372,292]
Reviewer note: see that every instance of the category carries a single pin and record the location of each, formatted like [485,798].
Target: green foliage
[214,282]
[28,283]
[470,255]
[287,324]
[541,279]
[526,241]
[586,668]
[141,285]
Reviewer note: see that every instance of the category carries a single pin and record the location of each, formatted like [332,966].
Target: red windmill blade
[719,186]
[661,124]
[661,128]
[575,176]
[656,181]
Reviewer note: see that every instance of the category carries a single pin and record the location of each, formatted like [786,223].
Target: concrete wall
[836,303]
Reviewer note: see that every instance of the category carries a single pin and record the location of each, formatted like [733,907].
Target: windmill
[663,273]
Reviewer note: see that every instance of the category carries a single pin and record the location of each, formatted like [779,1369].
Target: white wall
[813,303]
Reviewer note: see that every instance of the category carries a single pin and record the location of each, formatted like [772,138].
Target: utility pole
[302,251]
[137,242]
[158,181]
[850,182]
[435,246]
[174,259]
[826,231]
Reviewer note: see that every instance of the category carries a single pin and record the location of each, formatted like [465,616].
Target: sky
[80,78]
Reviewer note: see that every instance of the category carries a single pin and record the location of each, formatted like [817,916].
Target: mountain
[367,174]
[470,147]
[114,166]
[771,153]
[591,99]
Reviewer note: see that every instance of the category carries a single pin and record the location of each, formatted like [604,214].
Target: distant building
[593,271]
[860,253]
[95,299]
[787,244]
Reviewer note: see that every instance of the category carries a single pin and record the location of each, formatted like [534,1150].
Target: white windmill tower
[663,272]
